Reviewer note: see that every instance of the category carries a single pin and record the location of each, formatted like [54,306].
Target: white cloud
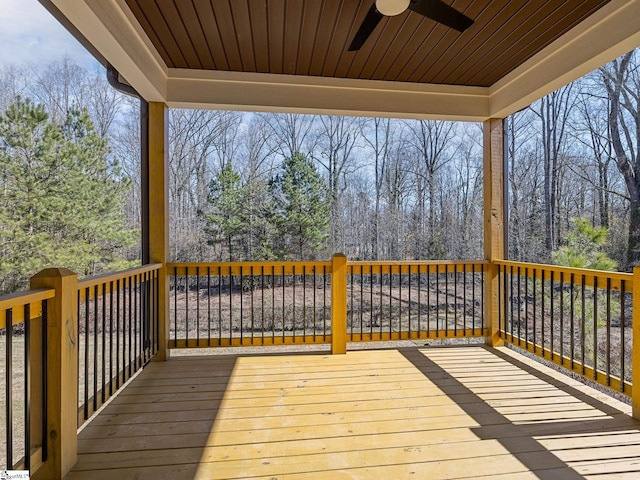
[30,34]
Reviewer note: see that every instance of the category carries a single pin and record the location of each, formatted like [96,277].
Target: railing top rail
[588,273]
[18,299]
[112,277]
[416,262]
[245,265]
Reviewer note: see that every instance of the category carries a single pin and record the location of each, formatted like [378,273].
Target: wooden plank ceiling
[311,37]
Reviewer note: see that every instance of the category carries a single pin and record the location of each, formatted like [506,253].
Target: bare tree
[621,79]
[554,113]
[338,137]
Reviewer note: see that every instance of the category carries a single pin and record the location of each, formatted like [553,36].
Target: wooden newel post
[158,171]
[339,304]
[61,370]
[635,348]
[494,215]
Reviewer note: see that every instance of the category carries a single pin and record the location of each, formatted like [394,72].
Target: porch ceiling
[292,55]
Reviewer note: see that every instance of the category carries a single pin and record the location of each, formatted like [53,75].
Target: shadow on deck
[424,413]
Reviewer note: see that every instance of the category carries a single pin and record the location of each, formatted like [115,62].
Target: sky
[30,34]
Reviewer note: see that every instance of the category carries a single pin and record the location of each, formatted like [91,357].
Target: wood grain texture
[311,38]
[464,412]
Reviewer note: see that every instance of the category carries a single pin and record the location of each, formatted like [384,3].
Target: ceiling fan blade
[369,23]
[441,12]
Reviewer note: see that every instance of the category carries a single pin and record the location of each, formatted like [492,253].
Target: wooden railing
[244,304]
[415,300]
[24,354]
[117,334]
[101,330]
[579,319]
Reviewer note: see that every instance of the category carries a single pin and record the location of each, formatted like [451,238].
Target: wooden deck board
[466,412]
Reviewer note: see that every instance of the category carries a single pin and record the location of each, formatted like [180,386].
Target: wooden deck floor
[431,413]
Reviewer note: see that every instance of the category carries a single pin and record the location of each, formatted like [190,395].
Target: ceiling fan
[434,9]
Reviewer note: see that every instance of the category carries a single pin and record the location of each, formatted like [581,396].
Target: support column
[62,371]
[635,347]
[494,214]
[158,221]
[339,304]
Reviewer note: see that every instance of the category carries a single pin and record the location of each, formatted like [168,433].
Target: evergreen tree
[302,209]
[584,247]
[239,217]
[61,200]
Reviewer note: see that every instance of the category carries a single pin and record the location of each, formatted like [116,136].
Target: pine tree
[584,247]
[302,209]
[239,217]
[61,200]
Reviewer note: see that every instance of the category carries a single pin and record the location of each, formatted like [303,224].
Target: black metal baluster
[429,300]
[351,307]
[136,318]
[283,305]
[542,311]
[230,306]
[361,301]
[446,300]
[583,326]
[518,273]
[562,318]
[45,380]
[595,328]
[572,319]
[186,306]
[464,299]
[118,316]
[262,303]
[473,300]
[526,306]
[175,305]
[219,306]
[251,286]
[535,308]
[241,306]
[437,300]
[129,320]
[400,301]
[293,312]
[304,302]
[103,352]
[623,318]
[455,299]
[371,280]
[8,386]
[608,339]
[552,317]
[380,300]
[197,306]
[78,338]
[482,296]
[27,387]
[409,299]
[510,297]
[273,304]
[324,301]
[390,300]
[111,338]
[208,306]
[95,348]
[419,299]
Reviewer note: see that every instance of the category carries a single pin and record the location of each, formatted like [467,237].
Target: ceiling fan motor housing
[391,8]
